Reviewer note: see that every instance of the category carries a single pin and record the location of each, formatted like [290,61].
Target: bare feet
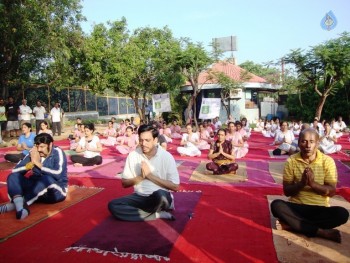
[77,165]
[283,226]
[330,234]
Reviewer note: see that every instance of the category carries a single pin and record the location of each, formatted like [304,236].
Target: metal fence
[78,99]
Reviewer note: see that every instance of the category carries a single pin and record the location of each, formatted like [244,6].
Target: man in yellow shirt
[309,179]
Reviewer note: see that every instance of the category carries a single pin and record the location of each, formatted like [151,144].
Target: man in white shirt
[340,126]
[56,118]
[152,172]
[39,113]
[25,112]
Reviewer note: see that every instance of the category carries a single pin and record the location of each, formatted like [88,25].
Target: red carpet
[39,212]
[231,223]
[151,239]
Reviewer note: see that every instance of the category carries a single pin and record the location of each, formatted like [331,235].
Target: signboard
[226,43]
[161,102]
[210,108]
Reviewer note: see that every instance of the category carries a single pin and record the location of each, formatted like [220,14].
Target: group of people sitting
[285,134]
[309,177]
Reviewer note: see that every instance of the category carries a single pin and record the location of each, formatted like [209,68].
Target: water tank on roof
[280,115]
[269,117]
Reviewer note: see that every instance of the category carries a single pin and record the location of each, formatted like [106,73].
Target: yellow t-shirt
[324,170]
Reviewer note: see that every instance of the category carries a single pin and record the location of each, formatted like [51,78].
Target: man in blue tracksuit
[41,176]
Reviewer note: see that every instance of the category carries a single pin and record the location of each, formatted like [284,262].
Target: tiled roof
[230,70]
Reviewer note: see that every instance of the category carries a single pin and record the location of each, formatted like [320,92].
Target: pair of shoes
[25,207]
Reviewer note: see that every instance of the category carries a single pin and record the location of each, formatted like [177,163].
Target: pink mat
[343,174]
[73,169]
[107,171]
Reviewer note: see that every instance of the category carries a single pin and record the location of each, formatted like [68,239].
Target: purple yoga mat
[151,239]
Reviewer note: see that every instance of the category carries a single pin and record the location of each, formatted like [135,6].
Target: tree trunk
[227,107]
[188,117]
[137,108]
[4,89]
[195,113]
[320,105]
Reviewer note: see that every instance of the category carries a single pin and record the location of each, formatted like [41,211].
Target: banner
[210,108]
[161,102]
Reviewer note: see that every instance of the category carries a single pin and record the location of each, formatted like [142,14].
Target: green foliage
[325,67]
[271,74]
[34,33]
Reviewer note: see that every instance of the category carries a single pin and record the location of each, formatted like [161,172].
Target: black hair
[130,128]
[27,124]
[221,129]
[90,126]
[43,138]
[145,128]
[45,122]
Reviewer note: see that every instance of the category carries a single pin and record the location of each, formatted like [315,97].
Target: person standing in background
[25,111]
[12,111]
[56,118]
[39,114]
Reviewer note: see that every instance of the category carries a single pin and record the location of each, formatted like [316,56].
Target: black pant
[14,157]
[86,161]
[307,219]
[56,128]
[37,126]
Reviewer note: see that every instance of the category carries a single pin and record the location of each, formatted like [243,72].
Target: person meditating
[40,177]
[128,142]
[153,174]
[91,146]
[25,144]
[309,179]
[221,154]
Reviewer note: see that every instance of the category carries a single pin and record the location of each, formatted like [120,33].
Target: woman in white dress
[284,138]
[328,140]
[267,129]
[90,146]
[260,125]
[189,143]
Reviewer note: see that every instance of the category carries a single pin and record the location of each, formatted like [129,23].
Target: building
[254,99]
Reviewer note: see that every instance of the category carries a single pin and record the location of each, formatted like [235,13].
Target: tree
[191,61]
[228,85]
[325,67]
[31,32]
[271,74]
[143,65]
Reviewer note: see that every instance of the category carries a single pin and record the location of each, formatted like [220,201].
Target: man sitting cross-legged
[222,155]
[41,176]
[309,179]
[152,172]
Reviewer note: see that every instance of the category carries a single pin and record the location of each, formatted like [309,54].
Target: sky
[266,30]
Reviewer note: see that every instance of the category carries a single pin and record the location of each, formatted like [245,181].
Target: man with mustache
[41,176]
[152,172]
[309,179]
